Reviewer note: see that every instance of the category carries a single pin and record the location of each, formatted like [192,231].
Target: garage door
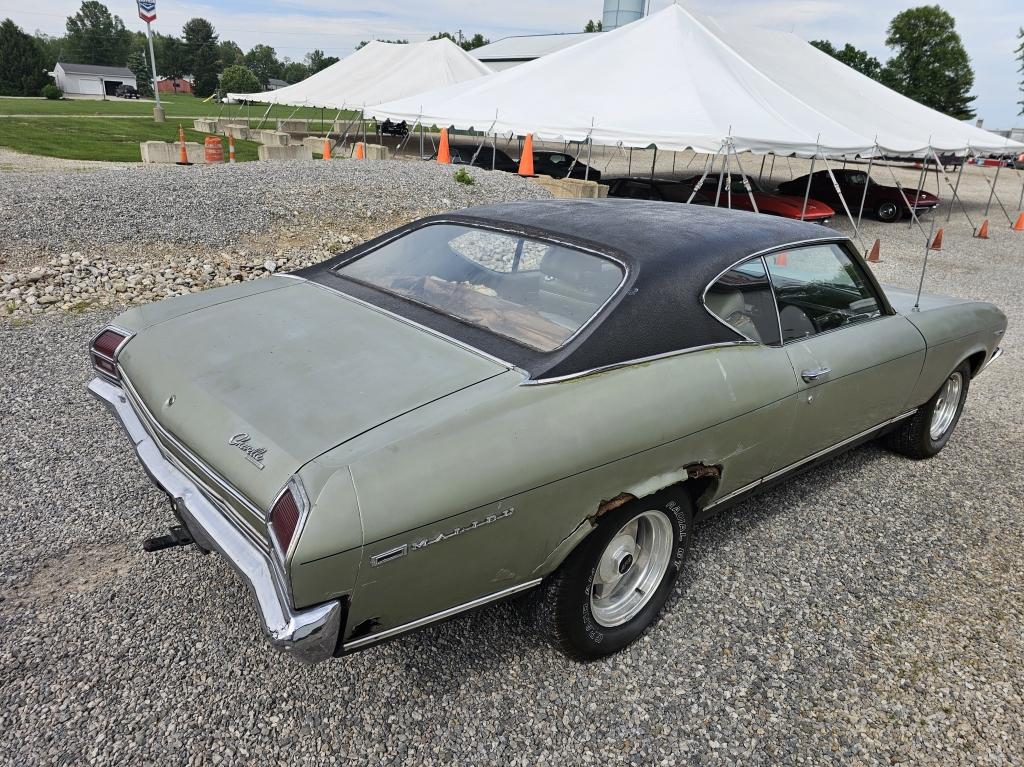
[90,87]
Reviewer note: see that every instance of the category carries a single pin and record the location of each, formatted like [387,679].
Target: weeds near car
[463,177]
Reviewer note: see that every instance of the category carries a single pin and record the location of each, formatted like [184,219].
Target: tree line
[94,35]
[929,64]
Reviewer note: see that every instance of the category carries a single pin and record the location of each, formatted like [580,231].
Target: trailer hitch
[176,536]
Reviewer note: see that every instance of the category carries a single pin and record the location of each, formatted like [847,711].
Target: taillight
[284,519]
[104,351]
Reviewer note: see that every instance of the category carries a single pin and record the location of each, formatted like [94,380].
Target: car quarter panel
[517,468]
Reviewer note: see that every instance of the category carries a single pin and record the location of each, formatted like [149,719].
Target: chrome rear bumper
[311,635]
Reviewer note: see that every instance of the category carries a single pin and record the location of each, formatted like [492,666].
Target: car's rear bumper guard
[310,635]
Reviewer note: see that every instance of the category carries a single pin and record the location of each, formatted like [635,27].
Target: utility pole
[147,12]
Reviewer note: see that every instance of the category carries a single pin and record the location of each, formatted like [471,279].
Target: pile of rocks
[76,282]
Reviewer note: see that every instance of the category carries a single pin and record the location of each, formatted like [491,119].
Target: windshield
[533,292]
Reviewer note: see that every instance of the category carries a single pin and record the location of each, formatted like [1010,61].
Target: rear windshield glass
[530,291]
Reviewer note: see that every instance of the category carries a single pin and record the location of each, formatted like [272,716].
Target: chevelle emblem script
[253,455]
[401,551]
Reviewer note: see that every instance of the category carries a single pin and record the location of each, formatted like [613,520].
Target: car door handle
[810,376]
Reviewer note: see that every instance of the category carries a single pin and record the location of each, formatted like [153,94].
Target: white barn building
[91,79]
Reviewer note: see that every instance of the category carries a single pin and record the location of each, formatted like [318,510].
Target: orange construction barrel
[214,150]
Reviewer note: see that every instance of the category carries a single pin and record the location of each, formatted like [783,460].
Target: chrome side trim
[355,644]
[311,634]
[995,355]
[637,361]
[813,457]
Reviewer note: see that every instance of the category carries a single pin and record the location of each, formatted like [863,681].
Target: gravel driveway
[869,612]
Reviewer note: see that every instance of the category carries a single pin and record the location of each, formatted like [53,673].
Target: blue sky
[293,27]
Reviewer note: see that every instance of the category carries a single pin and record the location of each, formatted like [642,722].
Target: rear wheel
[888,212]
[926,432]
[606,594]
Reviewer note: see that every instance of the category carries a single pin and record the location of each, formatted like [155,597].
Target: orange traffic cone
[782,259]
[1019,226]
[360,152]
[182,152]
[873,254]
[327,148]
[526,161]
[231,148]
[982,233]
[444,154]
[937,242]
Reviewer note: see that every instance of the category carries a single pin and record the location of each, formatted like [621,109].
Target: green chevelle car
[532,394]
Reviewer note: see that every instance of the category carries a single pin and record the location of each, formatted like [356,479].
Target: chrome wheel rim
[887,211]
[631,568]
[946,406]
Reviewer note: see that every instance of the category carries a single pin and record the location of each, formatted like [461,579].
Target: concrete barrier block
[237,131]
[573,188]
[205,126]
[237,122]
[293,126]
[377,152]
[292,152]
[315,144]
[271,137]
[169,152]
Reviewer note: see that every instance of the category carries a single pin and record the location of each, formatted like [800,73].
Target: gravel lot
[870,612]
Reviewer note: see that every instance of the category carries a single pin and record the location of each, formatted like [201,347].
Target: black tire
[914,436]
[888,212]
[564,610]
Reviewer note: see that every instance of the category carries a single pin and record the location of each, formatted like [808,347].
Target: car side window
[742,299]
[820,288]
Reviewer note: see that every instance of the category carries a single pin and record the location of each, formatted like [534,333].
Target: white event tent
[378,72]
[676,80]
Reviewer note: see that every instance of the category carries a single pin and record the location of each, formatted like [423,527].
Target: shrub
[463,177]
[52,92]
[238,79]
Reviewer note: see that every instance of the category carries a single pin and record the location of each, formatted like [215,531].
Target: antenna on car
[927,248]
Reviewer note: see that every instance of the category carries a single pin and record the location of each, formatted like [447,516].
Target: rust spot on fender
[699,470]
[611,505]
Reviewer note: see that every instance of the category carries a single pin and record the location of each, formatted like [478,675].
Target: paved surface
[870,612]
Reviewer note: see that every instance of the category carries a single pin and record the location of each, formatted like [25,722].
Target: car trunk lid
[257,387]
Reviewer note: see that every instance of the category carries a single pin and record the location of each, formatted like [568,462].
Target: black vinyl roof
[671,252]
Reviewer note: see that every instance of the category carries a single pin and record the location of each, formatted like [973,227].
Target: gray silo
[618,13]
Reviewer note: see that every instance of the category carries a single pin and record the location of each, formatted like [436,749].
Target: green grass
[98,138]
[175,106]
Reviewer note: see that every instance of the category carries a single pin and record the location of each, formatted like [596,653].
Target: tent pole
[842,199]
[709,163]
[746,183]
[771,173]
[421,140]
[807,191]
[494,150]
[590,156]
[913,212]
[728,178]
[653,161]
[760,173]
[674,153]
[959,174]
[992,194]
[721,175]
[792,175]
[629,167]
[1020,200]
[920,181]
[265,115]
[362,121]
[956,198]
[864,194]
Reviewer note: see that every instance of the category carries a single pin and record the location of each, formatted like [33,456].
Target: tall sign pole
[147,12]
